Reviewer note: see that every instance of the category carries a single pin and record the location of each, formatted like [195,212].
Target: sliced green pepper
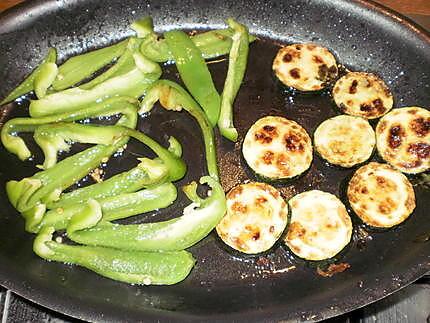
[238,59]
[44,79]
[148,172]
[212,44]
[143,26]
[124,65]
[80,67]
[134,267]
[28,84]
[174,97]
[112,208]
[133,83]
[198,219]
[194,73]
[109,107]
[53,137]
[56,137]
[46,186]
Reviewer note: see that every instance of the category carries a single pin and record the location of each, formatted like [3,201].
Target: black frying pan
[224,285]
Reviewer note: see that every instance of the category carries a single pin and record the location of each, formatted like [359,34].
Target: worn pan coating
[223,285]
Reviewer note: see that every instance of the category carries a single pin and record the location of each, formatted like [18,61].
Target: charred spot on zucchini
[345,140]
[403,139]
[363,95]
[255,219]
[381,196]
[305,67]
[276,148]
[320,226]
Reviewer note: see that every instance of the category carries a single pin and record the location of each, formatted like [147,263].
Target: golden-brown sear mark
[239,207]
[296,230]
[235,192]
[420,126]
[395,136]
[420,149]
[266,134]
[295,73]
[317,59]
[382,126]
[293,142]
[260,200]
[387,206]
[376,106]
[268,157]
[287,58]
[353,87]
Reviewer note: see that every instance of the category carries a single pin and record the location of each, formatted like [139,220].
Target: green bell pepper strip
[173,97]
[44,79]
[197,221]
[238,59]
[133,267]
[28,84]
[56,137]
[80,67]
[123,65]
[53,137]
[194,73]
[109,107]
[133,83]
[46,186]
[212,44]
[147,173]
[113,207]
[175,147]
[143,26]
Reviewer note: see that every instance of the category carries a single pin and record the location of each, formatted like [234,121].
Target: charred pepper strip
[112,208]
[28,84]
[80,67]
[212,44]
[133,83]
[198,219]
[173,97]
[109,107]
[148,172]
[134,267]
[194,73]
[238,59]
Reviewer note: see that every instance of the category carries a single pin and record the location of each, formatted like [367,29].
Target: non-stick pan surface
[225,285]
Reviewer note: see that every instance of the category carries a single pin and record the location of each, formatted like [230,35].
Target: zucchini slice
[320,226]
[345,140]
[381,196]
[277,148]
[363,95]
[305,67]
[403,139]
[255,219]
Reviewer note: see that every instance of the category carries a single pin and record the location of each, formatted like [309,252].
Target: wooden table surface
[417,10]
